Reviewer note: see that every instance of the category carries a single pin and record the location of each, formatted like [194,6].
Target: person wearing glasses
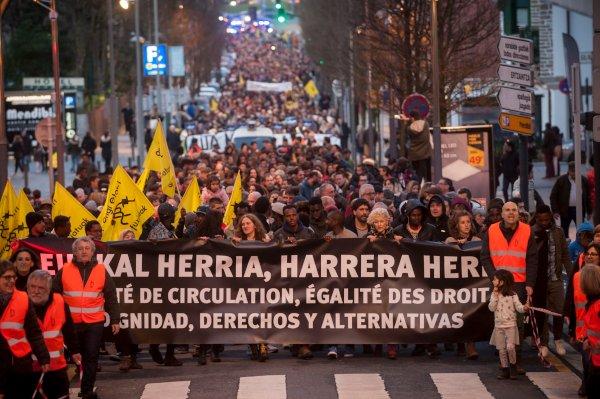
[575,306]
[20,336]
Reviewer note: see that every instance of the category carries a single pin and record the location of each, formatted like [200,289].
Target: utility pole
[112,102]
[156,41]
[3,138]
[139,111]
[60,141]
[437,133]
[352,110]
[596,106]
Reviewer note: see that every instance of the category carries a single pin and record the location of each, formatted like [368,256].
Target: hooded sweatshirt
[427,232]
[575,247]
[441,222]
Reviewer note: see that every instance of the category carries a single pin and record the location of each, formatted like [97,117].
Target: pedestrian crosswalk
[552,385]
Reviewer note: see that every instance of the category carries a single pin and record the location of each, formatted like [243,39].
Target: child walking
[505,304]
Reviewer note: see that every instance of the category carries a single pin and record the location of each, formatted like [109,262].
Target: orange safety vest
[579,300]
[86,303]
[510,256]
[592,327]
[51,327]
[12,324]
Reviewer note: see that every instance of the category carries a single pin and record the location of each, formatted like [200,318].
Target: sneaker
[156,355]
[349,352]
[305,353]
[332,353]
[560,348]
[272,348]
[513,371]
[544,351]
[116,358]
[125,364]
[504,373]
[134,364]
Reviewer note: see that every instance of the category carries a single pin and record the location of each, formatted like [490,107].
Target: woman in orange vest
[575,306]
[58,330]
[20,335]
[590,285]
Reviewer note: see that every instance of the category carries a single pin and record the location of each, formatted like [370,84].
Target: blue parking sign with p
[155,59]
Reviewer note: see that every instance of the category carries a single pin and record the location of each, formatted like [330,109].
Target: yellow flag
[63,203]
[214,104]
[126,207]
[190,201]
[9,213]
[235,198]
[141,181]
[159,160]
[311,89]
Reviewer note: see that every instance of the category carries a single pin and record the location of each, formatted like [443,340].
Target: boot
[472,351]
[513,371]
[125,364]
[504,373]
[156,355]
[172,361]
[134,364]
[253,352]
[263,352]
[460,349]
[305,353]
[520,370]
[202,355]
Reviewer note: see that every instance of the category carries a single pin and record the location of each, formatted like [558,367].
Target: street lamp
[139,112]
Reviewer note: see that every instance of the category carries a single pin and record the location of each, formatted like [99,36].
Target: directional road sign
[516,100]
[516,49]
[516,123]
[515,75]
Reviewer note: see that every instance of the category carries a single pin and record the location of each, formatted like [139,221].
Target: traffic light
[281,15]
[278,4]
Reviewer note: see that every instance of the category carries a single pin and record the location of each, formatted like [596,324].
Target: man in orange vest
[590,285]
[89,291]
[57,327]
[510,245]
[20,335]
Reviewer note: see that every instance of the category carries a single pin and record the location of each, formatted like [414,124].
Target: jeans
[565,220]
[505,183]
[90,337]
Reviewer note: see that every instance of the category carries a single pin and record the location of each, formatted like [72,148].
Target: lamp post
[3,139]
[157,41]
[435,79]
[114,111]
[139,111]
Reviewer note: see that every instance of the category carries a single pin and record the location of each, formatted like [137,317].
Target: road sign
[516,100]
[516,123]
[563,86]
[515,75]
[416,102]
[155,59]
[516,49]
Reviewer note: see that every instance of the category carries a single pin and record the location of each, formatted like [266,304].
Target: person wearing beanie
[36,225]
[438,216]
[260,208]
[460,202]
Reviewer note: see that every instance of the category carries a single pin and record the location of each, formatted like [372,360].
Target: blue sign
[155,59]
[70,101]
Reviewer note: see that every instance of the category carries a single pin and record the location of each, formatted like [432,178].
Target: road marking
[360,386]
[171,390]
[556,385]
[460,385]
[262,387]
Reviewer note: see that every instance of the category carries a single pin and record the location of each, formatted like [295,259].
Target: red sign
[416,102]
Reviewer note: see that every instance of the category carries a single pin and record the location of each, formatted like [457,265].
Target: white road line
[262,387]
[460,385]
[556,385]
[360,386]
[171,390]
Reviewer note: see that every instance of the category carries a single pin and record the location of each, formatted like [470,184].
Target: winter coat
[420,146]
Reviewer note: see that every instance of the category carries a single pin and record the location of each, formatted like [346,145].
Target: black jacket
[111,306]
[559,197]
[531,256]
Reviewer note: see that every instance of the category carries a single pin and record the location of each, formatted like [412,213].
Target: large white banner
[252,85]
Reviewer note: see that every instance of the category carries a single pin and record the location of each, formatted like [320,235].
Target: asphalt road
[320,378]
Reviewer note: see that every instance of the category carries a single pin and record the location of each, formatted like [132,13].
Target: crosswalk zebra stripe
[360,386]
[262,387]
[556,385]
[460,385]
[171,390]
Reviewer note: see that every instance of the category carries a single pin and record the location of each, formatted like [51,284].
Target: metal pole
[596,106]
[437,133]
[50,163]
[351,108]
[139,112]
[369,125]
[393,124]
[60,142]
[114,117]
[576,111]
[157,40]
[524,170]
[3,138]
